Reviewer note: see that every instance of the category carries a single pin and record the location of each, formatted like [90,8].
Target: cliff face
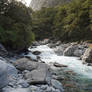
[37,4]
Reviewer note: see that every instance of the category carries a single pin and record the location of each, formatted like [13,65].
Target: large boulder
[41,75]
[78,52]
[37,72]
[75,50]
[87,57]
[25,64]
[12,71]
[3,74]
[70,50]
[60,49]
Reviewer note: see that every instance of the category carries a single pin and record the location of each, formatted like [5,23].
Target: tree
[67,22]
[42,22]
[16,23]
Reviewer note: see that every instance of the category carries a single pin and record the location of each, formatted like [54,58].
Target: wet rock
[70,50]
[60,77]
[75,50]
[60,49]
[3,74]
[35,43]
[69,85]
[78,53]
[25,64]
[87,57]
[59,65]
[32,57]
[89,64]
[56,84]
[36,52]
[70,72]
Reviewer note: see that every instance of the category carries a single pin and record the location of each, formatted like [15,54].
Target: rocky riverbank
[28,73]
[82,50]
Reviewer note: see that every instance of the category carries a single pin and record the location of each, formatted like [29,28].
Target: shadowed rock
[87,57]
[3,74]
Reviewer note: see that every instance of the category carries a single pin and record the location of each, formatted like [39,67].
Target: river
[83,72]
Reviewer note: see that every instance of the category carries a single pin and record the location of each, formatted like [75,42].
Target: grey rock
[60,49]
[23,83]
[75,50]
[44,87]
[31,56]
[3,74]
[78,52]
[12,75]
[57,90]
[39,75]
[9,89]
[50,89]
[35,89]
[70,50]
[59,65]
[35,43]
[87,57]
[36,52]
[25,64]
[56,84]
[12,71]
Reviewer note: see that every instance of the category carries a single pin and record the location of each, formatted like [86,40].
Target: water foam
[48,55]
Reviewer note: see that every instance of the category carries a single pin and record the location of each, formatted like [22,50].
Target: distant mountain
[37,4]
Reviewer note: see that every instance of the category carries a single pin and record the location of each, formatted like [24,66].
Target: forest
[20,25]
[67,22]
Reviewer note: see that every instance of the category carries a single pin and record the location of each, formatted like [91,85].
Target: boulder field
[27,75]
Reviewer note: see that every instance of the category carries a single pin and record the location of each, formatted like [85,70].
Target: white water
[73,63]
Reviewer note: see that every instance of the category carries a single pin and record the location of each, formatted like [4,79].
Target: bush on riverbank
[68,22]
[15,25]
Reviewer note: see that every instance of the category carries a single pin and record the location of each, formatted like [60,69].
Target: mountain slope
[37,4]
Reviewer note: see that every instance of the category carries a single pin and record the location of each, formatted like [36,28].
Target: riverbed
[83,72]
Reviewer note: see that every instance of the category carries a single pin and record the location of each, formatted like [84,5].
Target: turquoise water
[83,72]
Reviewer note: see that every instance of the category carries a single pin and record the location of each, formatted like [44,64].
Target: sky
[27,1]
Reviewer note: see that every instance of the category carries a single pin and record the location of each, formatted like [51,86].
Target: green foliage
[42,22]
[15,25]
[68,22]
